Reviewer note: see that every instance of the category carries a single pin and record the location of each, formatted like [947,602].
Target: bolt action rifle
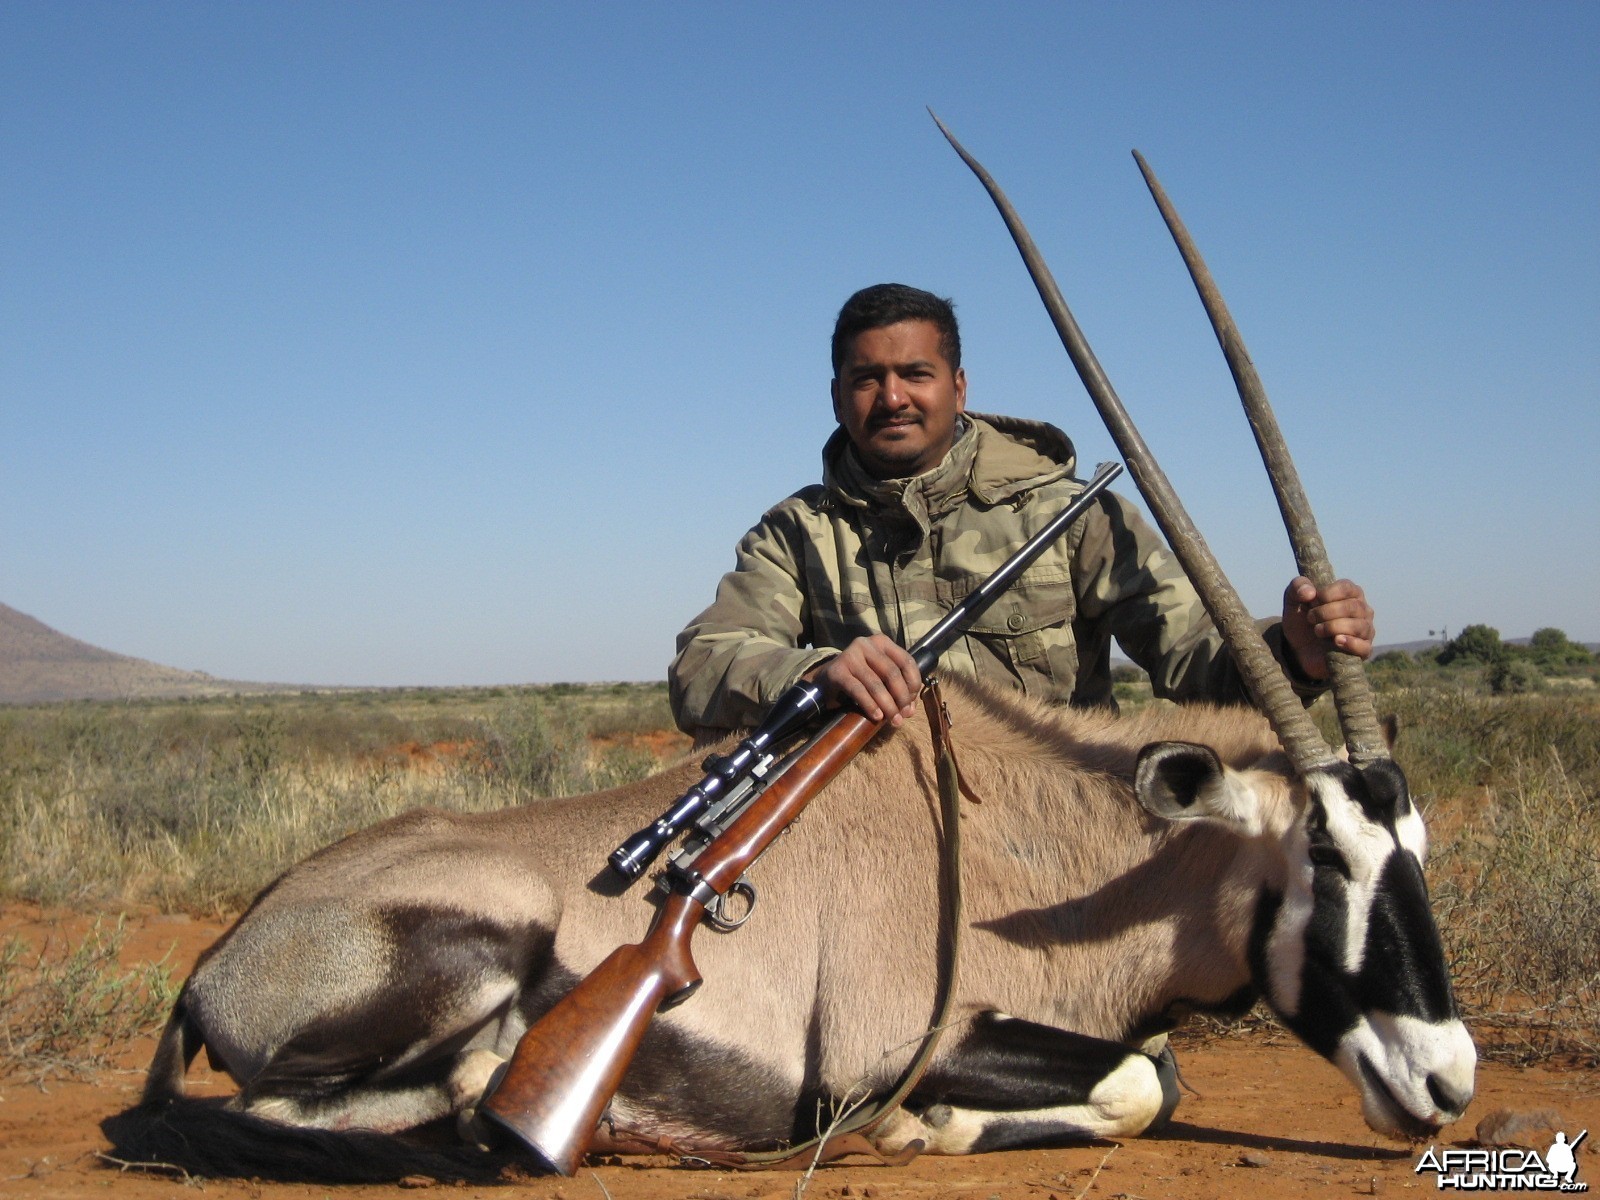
[570,1062]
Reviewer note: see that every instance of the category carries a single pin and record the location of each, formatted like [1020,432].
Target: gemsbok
[1119,874]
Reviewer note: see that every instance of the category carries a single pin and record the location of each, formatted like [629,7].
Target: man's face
[897,398]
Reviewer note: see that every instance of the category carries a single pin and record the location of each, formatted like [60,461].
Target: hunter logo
[1507,1168]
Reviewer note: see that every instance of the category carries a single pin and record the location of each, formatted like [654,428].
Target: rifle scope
[794,709]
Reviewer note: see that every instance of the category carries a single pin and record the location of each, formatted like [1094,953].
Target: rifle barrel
[954,623]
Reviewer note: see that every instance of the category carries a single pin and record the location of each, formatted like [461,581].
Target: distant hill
[39,665]
[1417,647]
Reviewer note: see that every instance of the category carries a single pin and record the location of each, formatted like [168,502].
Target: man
[919,503]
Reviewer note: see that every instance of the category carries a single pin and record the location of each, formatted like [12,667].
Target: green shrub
[1513,676]
[1475,643]
[1554,651]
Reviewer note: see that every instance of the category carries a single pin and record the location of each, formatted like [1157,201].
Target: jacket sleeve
[1130,587]
[744,651]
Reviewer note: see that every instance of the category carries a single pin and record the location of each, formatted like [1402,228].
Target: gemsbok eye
[1327,856]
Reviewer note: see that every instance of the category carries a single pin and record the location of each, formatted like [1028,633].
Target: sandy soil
[1270,1120]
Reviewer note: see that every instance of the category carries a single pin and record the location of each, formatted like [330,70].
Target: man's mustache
[887,421]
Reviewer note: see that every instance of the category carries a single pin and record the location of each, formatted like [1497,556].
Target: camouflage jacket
[858,555]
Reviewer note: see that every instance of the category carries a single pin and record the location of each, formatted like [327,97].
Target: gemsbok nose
[1451,1099]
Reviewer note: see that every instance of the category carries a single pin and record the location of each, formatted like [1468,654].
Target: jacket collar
[994,459]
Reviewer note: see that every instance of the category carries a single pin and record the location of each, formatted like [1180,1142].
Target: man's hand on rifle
[875,674]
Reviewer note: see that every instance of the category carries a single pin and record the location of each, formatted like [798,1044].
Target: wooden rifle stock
[570,1062]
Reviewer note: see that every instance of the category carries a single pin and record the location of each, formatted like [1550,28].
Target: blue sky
[416,343]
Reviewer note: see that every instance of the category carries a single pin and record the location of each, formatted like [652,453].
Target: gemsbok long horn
[1352,698]
[1301,739]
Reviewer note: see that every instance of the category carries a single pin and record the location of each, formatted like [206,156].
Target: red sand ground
[1272,1120]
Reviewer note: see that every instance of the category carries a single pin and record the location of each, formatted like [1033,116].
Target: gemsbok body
[1119,874]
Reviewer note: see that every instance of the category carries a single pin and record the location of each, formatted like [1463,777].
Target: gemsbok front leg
[1009,1082]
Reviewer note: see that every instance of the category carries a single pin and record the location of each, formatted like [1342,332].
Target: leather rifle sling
[849,1134]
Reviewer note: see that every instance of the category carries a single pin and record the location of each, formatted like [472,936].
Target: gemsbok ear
[1180,781]
[1390,724]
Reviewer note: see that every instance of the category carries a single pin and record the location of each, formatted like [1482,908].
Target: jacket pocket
[1026,639]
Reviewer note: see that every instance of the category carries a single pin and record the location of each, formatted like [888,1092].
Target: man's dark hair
[888,304]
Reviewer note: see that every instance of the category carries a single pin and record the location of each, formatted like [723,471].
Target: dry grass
[1517,892]
[1511,787]
[197,806]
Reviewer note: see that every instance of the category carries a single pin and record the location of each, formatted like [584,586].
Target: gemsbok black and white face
[1345,949]
[1352,961]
